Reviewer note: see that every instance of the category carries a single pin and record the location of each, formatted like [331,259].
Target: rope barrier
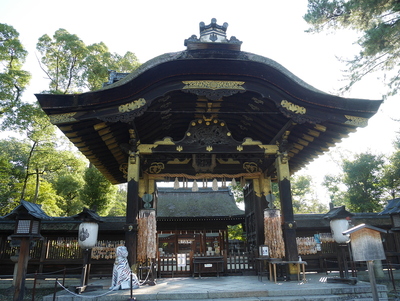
[77,295]
[106,293]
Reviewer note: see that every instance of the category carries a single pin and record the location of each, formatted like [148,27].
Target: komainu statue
[121,275]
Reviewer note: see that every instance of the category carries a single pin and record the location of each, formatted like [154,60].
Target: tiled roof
[392,207]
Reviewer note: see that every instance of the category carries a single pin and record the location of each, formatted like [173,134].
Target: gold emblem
[292,107]
[213,85]
[357,121]
[62,118]
[132,105]
[250,167]
[156,167]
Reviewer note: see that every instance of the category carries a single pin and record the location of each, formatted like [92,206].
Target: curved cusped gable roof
[253,97]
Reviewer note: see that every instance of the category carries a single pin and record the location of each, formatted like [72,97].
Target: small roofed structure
[190,221]
[28,208]
[205,204]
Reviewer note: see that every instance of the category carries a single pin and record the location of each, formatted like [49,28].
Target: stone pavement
[231,288]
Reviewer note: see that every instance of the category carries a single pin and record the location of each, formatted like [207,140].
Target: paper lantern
[87,236]
[337,227]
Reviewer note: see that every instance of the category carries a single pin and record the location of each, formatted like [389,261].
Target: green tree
[71,66]
[391,177]
[99,62]
[363,179]
[12,171]
[13,80]
[97,193]
[118,204]
[303,195]
[379,23]
[62,58]
[235,232]
[334,183]
[68,186]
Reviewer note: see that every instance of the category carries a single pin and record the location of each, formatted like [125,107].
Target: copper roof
[252,99]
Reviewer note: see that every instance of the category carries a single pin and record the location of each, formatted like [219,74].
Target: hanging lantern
[87,236]
[337,227]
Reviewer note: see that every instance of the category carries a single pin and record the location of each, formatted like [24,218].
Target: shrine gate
[208,112]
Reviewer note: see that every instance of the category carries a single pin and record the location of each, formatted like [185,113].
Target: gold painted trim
[177,161]
[132,105]
[250,141]
[165,141]
[146,148]
[357,121]
[213,85]
[269,149]
[62,118]
[229,161]
[292,107]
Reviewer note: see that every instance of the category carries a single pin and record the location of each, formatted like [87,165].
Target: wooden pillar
[132,207]
[289,225]
[259,205]
[22,268]
[261,186]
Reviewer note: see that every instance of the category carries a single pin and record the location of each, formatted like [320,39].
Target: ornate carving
[208,132]
[357,121]
[250,167]
[132,105]
[128,112]
[156,167]
[124,169]
[204,162]
[292,107]
[124,117]
[62,118]
[213,90]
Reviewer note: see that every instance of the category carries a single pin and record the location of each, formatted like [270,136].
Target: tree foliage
[13,80]
[379,23]
[304,200]
[97,193]
[363,179]
[72,66]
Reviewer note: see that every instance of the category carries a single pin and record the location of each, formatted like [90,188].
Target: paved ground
[247,288]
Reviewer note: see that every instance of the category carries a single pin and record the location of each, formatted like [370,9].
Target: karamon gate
[208,112]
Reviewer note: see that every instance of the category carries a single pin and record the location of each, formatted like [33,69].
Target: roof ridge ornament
[213,36]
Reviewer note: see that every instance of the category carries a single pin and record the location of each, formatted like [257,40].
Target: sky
[274,29]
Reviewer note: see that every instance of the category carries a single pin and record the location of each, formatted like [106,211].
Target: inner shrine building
[209,112]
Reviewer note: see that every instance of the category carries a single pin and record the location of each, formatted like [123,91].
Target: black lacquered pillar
[289,225]
[132,207]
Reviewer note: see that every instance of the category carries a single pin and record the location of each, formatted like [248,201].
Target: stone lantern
[28,217]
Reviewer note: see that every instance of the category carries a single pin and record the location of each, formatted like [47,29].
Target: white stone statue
[121,275]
